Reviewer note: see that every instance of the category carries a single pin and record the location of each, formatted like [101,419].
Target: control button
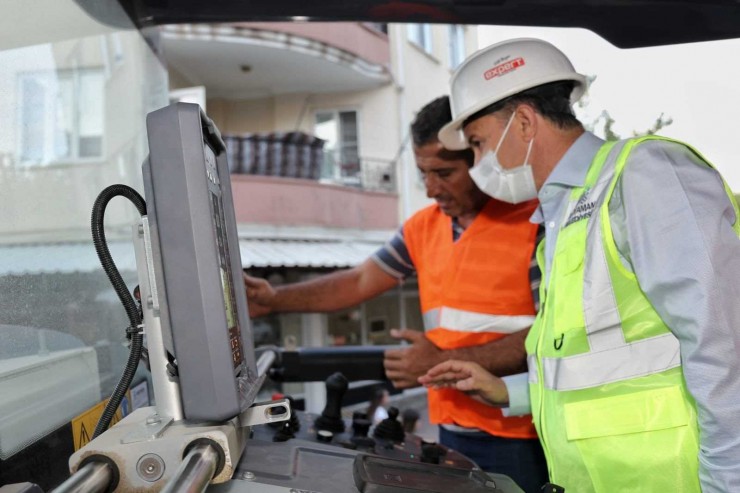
[324,436]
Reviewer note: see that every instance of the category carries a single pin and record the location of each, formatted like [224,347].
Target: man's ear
[526,122]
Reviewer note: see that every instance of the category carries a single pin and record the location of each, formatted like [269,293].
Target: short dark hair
[552,101]
[430,120]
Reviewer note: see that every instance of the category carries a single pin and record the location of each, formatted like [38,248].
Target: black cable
[134,316]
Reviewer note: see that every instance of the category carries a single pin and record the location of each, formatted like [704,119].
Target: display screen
[227,280]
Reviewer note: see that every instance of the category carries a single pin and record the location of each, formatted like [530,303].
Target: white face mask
[513,185]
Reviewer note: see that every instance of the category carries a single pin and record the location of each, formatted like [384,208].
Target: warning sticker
[139,395]
[83,425]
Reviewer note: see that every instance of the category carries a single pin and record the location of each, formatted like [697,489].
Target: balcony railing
[299,155]
[365,173]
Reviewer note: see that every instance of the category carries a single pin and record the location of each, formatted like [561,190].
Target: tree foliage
[606,122]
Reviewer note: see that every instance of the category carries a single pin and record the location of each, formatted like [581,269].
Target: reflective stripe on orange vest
[466,321]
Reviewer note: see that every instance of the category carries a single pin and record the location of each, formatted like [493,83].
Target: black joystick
[331,416]
[431,453]
[283,434]
[360,424]
[360,428]
[390,428]
[288,429]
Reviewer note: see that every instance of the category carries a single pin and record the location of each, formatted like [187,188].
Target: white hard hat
[499,71]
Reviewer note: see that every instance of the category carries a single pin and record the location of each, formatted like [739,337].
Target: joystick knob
[331,416]
[431,453]
[360,424]
[390,428]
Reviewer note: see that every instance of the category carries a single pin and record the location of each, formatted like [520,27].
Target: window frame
[75,75]
[456,45]
[335,112]
[420,35]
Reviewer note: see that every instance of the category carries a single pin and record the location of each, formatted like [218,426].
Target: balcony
[257,60]
[295,203]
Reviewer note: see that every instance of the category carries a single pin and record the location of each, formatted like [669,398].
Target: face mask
[514,185]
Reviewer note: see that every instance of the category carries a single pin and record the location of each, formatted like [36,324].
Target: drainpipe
[405,172]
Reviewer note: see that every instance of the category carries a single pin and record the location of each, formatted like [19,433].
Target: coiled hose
[137,338]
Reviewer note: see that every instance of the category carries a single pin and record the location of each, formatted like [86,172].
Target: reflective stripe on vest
[532,369]
[596,368]
[467,321]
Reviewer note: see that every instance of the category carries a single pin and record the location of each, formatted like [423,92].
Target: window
[61,116]
[421,35]
[456,45]
[378,26]
[342,148]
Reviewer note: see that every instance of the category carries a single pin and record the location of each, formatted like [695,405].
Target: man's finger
[400,382]
[393,364]
[467,385]
[253,282]
[394,354]
[439,369]
[449,377]
[407,334]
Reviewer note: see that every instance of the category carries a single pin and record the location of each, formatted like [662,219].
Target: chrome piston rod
[93,477]
[195,471]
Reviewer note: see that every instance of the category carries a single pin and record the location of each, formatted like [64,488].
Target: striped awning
[67,258]
[61,258]
[306,254]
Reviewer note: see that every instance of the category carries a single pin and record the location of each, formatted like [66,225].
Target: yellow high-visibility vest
[608,395]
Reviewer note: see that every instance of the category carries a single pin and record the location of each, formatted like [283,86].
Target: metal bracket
[146,434]
[266,412]
[152,429]
[150,264]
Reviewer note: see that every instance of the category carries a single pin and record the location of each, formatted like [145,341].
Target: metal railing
[299,155]
[366,173]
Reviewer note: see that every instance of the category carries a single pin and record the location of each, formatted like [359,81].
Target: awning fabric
[299,253]
[67,258]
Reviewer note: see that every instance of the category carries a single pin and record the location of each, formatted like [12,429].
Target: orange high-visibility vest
[474,291]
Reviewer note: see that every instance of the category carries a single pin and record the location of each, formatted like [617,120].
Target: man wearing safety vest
[474,260]
[634,373]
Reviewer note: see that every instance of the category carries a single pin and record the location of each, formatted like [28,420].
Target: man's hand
[405,365]
[470,378]
[260,295]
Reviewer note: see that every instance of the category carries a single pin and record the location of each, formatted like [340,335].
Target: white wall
[425,77]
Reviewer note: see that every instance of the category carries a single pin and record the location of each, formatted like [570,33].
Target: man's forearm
[335,291]
[327,293]
[505,356]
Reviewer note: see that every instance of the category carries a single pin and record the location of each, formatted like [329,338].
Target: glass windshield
[329,103]
[73,99]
